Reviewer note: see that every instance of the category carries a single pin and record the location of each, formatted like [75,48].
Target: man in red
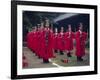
[48,50]
[55,38]
[34,39]
[41,40]
[29,40]
[69,36]
[80,43]
[61,40]
[38,33]
[52,41]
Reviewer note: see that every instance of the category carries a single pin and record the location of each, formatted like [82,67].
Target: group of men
[45,42]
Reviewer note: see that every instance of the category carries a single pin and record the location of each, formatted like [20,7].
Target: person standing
[38,41]
[61,40]
[69,36]
[81,38]
[55,43]
[29,39]
[48,50]
[41,40]
[34,40]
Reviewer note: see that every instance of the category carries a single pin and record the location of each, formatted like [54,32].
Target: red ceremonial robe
[38,42]
[34,41]
[69,36]
[29,40]
[55,43]
[47,44]
[61,43]
[41,42]
[80,43]
[51,39]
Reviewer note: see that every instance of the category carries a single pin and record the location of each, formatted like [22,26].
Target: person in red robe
[81,38]
[38,33]
[69,36]
[55,43]
[52,41]
[34,39]
[41,40]
[47,40]
[29,40]
[61,40]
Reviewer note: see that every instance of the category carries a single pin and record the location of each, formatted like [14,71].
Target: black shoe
[56,51]
[33,51]
[79,59]
[45,61]
[39,57]
[69,54]
[61,53]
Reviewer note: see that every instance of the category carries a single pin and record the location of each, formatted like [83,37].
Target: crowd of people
[44,42]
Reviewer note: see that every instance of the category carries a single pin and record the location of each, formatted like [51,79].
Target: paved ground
[34,62]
